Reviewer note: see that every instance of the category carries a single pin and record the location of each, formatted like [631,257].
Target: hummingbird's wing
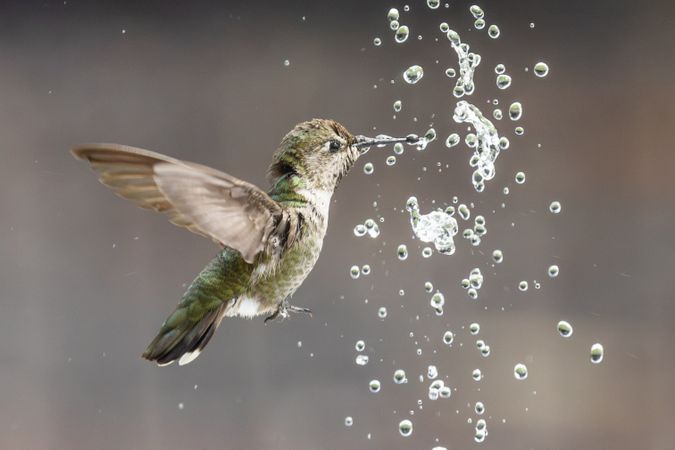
[206,201]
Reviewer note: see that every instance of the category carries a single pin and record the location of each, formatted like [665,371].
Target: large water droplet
[493,31]
[374,386]
[413,74]
[405,427]
[597,353]
[541,69]
[503,81]
[515,111]
[565,329]
[401,34]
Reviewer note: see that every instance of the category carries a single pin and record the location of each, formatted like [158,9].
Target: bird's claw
[284,310]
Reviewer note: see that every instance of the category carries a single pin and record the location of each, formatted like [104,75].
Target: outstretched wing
[206,201]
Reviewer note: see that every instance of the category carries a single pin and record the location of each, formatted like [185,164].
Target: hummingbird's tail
[191,325]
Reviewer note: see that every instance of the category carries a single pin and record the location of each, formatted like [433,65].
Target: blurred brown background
[86,278]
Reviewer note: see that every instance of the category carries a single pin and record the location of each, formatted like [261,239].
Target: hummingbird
[270,241]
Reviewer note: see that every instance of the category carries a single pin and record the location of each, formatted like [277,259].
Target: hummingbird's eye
[334,145]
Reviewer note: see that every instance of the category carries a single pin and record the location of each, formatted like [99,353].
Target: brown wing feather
[206,201]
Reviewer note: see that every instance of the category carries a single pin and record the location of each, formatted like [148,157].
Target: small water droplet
[541,69]
[520,371]
[520,177]
[555,207]
[553,271]
[368,168]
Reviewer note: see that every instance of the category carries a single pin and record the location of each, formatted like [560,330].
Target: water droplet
[355,272]
[565,329]
[541,69]
[413,74]
[377,42]
[360,345]
[398,148]
[398,105]
[428,287]
[401,34]
[349,421]
[433,4]
[474,328]
[360,230]
[452,140]
[361,360]
[500,69]
[476,375]
[400,377]
[520,177]
[368,168]
[520,371]
[448,337]
[427,252]
[515,111]
[394,25]
[476,11]
[497,114]
[382,312]
[553,271]
[437,300]
[479,24]
[365,270]
[374,386]
[531,24]
[503,81]
[432,372]
[597,353]
[479,408]
[405,427]
[497,256]
[523,285]
[555,207]
[444,27]
[493,31]
[519,131]
[287,63]
[391,160]
[464,211]
[402,252]
[392,14]
[450,72]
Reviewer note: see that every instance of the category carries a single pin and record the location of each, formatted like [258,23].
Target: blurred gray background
[86,278]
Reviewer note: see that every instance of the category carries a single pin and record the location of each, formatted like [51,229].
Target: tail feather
[192,324]
[185,342]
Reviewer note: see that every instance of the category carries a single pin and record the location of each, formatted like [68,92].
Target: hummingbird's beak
[381,141]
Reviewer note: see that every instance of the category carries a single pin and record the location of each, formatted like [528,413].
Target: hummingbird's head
[320,151]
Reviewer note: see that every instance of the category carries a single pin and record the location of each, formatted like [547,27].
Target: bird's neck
[292,190]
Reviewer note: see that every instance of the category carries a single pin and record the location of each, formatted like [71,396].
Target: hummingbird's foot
[298,309]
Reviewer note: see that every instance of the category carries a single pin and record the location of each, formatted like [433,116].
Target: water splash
[488,143]
[437,226]
[468,61]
